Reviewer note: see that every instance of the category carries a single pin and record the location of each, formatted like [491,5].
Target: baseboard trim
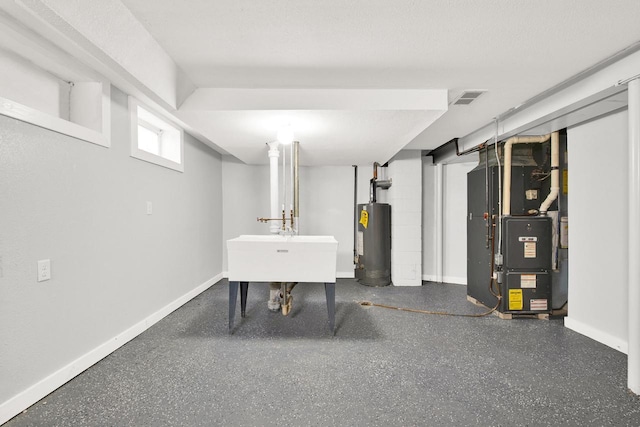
[33,394]
[597,335]
[446,279]
[455,280]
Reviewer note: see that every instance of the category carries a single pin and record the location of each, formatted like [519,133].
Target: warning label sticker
[529,249]
[528,281]
[538,304]
[364,218]
[515,299]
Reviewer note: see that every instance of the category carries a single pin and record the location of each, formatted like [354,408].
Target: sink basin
[275,258]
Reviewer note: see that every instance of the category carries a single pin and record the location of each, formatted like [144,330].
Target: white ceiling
[513,49]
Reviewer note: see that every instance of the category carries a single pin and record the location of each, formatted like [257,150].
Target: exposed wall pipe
[355,214]
[372,184]
[506,189]
[495,149]
[375,183]
[284,187]
[296,186]
[274,154]
[486,193]
[555,174]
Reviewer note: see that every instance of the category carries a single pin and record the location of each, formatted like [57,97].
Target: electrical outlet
[44,270]
[149,208]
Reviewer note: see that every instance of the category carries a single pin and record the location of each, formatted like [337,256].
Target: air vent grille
[468,97]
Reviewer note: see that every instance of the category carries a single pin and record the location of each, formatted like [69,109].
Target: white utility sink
[275,258]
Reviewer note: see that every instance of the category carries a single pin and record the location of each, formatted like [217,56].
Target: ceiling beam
[233,99]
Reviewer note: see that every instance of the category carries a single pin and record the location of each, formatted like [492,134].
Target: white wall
[598,215]
[455,222]
[245,197]
[429,247]
[454,206]
[326,204]
[113,266]
[405,197]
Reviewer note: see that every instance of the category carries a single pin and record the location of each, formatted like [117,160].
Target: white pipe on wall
[633,354]
[274,154]
[506,189]
[296,187]
[555,173]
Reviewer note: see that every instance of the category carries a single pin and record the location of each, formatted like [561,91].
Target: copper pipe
[283,219]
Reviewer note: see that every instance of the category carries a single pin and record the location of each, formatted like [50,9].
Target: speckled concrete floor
[383,367]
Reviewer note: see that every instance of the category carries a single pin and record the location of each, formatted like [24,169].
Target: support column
[439,221]
[633,359]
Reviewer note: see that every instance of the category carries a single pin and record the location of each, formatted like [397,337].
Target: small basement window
[45,86]
[154,139]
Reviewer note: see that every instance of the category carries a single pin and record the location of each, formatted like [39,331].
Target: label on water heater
[364,218]
[360,243]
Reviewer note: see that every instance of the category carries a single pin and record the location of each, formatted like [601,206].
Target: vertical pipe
[497,153]
[296,186]
[486,193]
[633,356]
[291,183]
[274,153]
[439,222]
[355,214]
[555,174]
[284,187]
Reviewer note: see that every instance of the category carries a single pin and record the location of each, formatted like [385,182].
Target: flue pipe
[555,174]
[274,154]
[372,184]
[296,186]
[506,189]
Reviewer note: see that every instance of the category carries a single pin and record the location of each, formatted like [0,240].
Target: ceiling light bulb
[285,135]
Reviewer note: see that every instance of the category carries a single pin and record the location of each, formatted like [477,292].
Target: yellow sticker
[515,299]
[565,181]
[364,218]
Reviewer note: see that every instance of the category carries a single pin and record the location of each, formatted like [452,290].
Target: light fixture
[285,135]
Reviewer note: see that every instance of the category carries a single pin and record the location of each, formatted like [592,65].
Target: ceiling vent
[467,97]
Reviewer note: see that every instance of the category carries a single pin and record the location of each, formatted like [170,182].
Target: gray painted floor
[383,367]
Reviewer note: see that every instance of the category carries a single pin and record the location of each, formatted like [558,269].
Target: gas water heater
[374,244]
[373,237]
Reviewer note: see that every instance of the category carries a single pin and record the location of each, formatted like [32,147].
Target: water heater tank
[374,244]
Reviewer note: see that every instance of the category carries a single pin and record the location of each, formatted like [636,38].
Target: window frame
[88,89]
[165,131]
